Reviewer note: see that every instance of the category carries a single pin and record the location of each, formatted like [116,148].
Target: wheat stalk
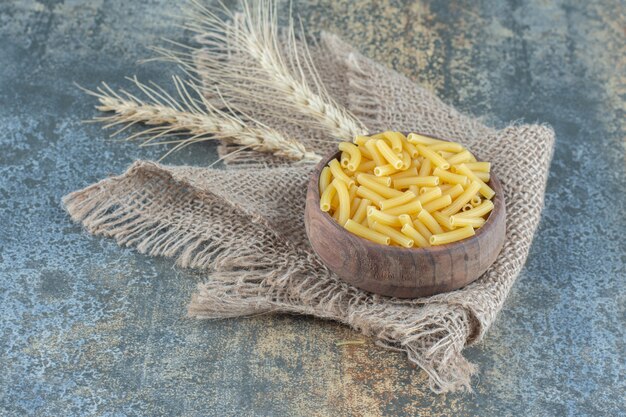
[240,56]
[196,118]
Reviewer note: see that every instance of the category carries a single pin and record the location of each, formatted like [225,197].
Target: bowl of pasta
[405,215]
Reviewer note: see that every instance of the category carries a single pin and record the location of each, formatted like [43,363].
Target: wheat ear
[240,55]
[192,116]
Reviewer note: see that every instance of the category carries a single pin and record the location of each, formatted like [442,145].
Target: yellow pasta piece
[436,159]
[395,236]
[410,172]
[438,203]
[453,192]
[409,208]
[459,221]
[430,181]
[421,228]
[429,195]
[443,220]
[384,218]
[327,197]
[466,207]
[425,168]
[367,233]
[424,190]
[325,179]
[335,215]
[460,157]
[475,201]
[447,147]
[344,200]
[417,163]
[388,153]
[384,170]
[452,236]
[445,187]
[479,166]
[370,145]
[406,160]
[405,219]
[397,201]
[352,191]
[414,189]
[361,211]
[429,221]
[334,203]
[463,199]
[485,190]
[343,159]
[378,188]
[338,173]
[372,196]
[484,176]
[409,231]
[485,207]
[354,205]
[378,136]
[354,155]
[386,181]
[360,140]
[395,140]
[410,148]
[416,139]
[449,177]
[366,166]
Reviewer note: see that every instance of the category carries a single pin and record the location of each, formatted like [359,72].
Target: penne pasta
[360,140]
[475,201]
[366,166]
[370,195]
[395,140]
[354,205]
[449,177]
[410,148]
[485,190]
[484,176]
[370,145]
[447,147]
[367,233]
[338,173]
[452,236]
[479,211]
[425,168]
[419,240]
[397,201]
[430,222]
[410,172]
[429,195]
[453,192]
[463,199]
[421,228]
[436,159]
[353,153]
[361,211]
[384,191]
[343,159]
[344,200]
[438,203]
[460,221]
[327,197]
[394,235]
[384,218]
[388,153]
[325,179]
[443,220]
[384,170]
[406,160]
[386,181]
[459,158]
[466,207]
[409,208]
[430,181]
[414,189]
[405,219]
[479,166]
[416,139]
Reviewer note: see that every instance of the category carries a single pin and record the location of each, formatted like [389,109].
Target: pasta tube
[383,170]
[436,159]
[410,148]
[449,177]
[485,207]
[344,200]
[325,179]
[443,220]
[337,172]
[406,160]
[386,181]
[366,166]
[463,199]
[429,195]
[475,201]
[422,229]
[430,222]
[430,181]
[384,218]
[397,201]
[378,188]
[479,166]
[327,197]
[354,205]
[438,203]
[447,147]
[460,157]
[420,241]
[484,176]
[485,190]
[388,153]
[425,168]
[367,233]
[410,172]
[361,211]
[366,193]
[459,221]
[396,237]
[453,192]
[409,208]
[416,139]
[395,140]
[452,236]
[354,155]
[370,145]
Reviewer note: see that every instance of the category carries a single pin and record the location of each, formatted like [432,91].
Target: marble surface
[88,328]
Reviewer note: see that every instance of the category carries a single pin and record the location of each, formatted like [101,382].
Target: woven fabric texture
[244,224]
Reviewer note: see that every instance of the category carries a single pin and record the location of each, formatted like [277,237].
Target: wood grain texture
[400,272]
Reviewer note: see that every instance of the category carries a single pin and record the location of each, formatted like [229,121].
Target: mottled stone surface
[87,328]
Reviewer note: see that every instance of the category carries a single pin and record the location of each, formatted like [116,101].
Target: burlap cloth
[244,224]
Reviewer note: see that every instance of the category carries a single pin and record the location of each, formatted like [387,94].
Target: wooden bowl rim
[498,204]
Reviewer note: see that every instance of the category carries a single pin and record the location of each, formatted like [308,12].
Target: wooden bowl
[396,271]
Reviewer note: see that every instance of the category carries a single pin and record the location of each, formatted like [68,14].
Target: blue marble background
[88,328]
